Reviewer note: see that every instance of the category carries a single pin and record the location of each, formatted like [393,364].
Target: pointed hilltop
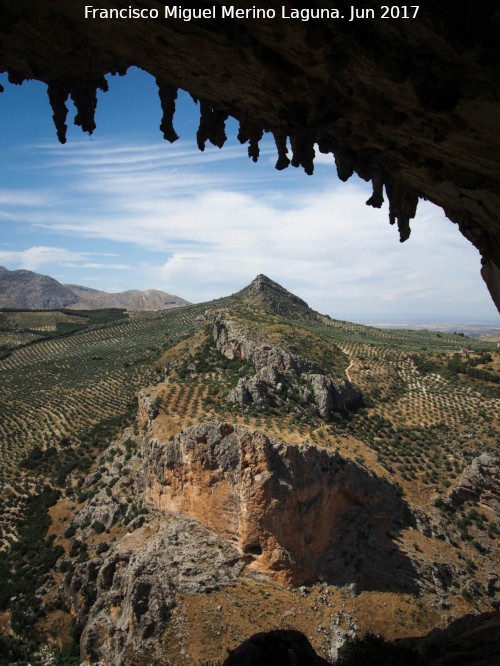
[272,297]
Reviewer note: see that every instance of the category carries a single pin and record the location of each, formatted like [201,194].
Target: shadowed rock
[275,648]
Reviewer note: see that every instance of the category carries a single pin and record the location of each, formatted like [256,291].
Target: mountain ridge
[25,289]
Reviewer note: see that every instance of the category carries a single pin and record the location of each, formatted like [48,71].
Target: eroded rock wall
[297,513]
[125,598]
[232,341]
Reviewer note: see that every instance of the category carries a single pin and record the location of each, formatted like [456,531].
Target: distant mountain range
[28,290]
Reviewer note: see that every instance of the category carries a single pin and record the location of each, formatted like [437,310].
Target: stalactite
[16,78]
[377,198]
[253,134]
[303,152]
[212,126]
[402,207]
[84,95]
[58,93]
[345,167]
[283,161]
[168,95]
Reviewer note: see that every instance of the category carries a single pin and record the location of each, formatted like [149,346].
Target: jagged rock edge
[402,200]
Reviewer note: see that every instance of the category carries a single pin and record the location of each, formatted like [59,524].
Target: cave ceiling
[412,105]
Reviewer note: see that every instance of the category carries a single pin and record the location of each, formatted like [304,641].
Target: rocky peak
[274,298]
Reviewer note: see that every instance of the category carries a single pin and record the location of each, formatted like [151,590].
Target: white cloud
[35,257]
[23,197]
[118,267]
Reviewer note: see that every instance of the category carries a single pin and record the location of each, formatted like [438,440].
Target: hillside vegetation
[416,408]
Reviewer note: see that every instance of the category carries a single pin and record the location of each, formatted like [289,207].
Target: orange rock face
[297,513]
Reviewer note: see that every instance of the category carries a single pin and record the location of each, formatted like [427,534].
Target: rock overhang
[409,104]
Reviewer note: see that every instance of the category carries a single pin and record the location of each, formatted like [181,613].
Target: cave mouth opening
[128,160]
[254,550]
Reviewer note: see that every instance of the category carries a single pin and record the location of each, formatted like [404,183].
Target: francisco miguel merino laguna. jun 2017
[231,12]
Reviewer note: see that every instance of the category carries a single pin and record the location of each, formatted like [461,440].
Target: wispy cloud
[116,267]
[208,231]
[37,257]
[23,198]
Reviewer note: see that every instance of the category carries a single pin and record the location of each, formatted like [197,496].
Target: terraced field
[61,387]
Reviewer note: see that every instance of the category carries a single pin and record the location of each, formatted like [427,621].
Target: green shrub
[98,527]
[102,548]
[70,532]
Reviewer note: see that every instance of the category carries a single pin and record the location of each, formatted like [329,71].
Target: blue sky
[125,209]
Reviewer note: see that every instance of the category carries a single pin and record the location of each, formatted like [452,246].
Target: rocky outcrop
[297,513]
[479,482]
[148,403]
[99,508]
[234,342]
[330,394]
[249,390]
[277,367]
[125,599]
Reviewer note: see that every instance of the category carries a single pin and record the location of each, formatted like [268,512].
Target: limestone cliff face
[297,513]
